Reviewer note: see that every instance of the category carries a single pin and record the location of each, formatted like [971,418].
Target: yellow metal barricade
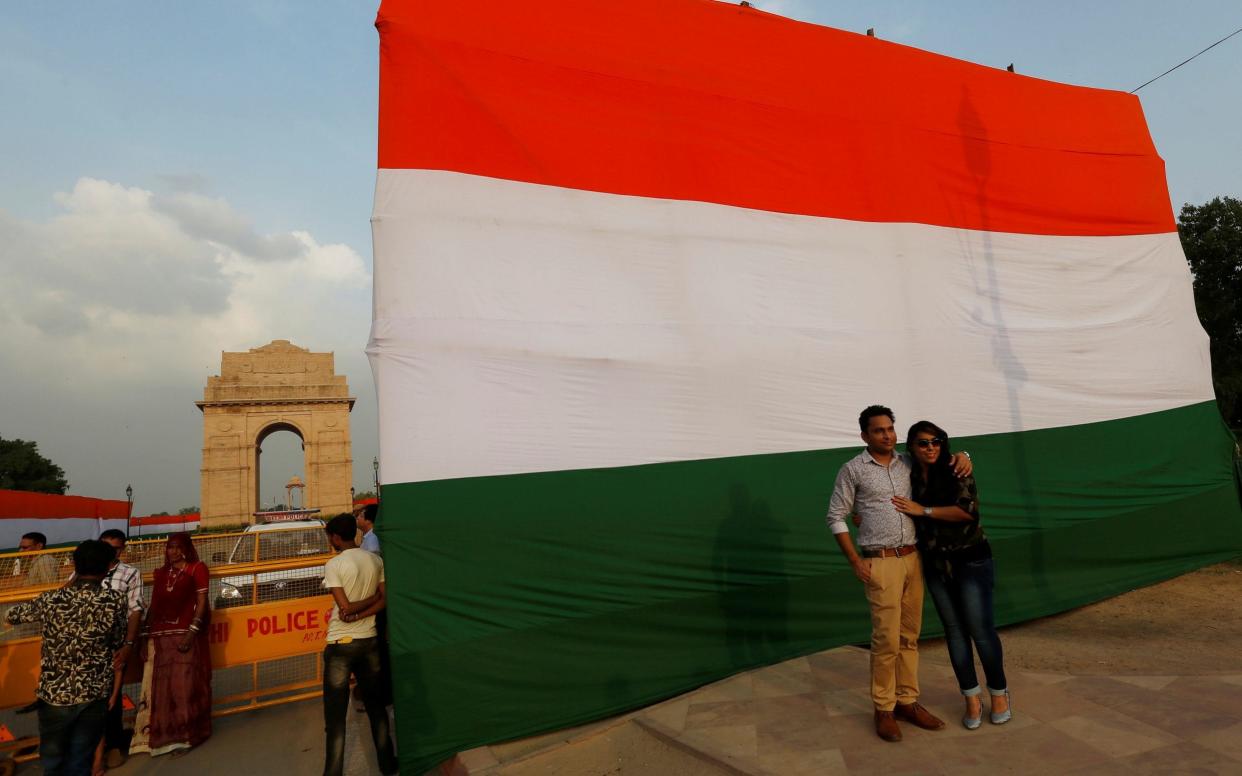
[268,624]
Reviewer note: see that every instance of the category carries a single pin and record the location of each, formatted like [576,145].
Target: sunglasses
[933,442]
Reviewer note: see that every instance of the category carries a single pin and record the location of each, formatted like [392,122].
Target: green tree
[22,467]
[188,511]
[1212,240]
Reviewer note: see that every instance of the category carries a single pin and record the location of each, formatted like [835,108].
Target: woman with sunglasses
[957,567]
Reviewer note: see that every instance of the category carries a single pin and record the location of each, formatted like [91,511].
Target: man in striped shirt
[127,580]
[888,566]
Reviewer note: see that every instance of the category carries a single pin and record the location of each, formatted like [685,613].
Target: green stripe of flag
[531,602]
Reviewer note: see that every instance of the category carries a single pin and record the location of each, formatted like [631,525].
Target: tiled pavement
[813,715]
[275,741]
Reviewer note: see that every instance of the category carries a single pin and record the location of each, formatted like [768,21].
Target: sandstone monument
[277,387]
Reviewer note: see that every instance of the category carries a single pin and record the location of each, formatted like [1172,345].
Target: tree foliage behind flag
[1211,236]
[22,467]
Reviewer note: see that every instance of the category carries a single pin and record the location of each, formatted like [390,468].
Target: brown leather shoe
[915,714]
[886,726]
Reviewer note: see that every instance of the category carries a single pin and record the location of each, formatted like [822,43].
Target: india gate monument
[277,387]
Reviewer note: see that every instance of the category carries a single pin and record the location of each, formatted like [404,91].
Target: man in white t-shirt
[355,578]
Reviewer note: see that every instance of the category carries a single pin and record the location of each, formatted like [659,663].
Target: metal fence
[289,564]
[262,584]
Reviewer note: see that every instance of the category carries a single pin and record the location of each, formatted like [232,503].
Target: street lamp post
[375,467]
[129,512]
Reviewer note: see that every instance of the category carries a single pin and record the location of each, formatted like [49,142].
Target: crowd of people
[91,628]
[97,622]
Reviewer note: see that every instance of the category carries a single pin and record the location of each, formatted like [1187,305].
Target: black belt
[890,552]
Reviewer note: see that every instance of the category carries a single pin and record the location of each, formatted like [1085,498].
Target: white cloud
[165,283]
[114,311]
[214,220]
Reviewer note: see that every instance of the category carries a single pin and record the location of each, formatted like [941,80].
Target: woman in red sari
[174,712]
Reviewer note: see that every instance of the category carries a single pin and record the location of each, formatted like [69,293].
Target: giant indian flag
[638,266]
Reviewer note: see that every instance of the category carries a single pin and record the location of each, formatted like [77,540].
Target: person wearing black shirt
[957,568]
[83,625]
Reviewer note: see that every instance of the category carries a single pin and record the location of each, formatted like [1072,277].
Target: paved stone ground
[810,715]
[269,742]
[813,715]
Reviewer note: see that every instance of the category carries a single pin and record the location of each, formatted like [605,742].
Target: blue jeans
[361,657]
[68,735]
[963,599]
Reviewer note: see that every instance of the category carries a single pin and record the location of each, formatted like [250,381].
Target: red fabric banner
[25,505]
[700,100]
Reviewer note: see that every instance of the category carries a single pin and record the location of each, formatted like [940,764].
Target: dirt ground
[1188,626]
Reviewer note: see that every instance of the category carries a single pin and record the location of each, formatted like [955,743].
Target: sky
[183,179]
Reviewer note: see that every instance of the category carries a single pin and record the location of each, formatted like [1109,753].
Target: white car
[277,541]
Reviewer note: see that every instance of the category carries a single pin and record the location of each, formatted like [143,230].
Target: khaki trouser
[895,593]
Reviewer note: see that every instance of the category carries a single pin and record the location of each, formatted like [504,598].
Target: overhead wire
[1171,69]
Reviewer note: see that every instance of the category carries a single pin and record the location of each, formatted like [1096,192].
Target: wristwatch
[927,511]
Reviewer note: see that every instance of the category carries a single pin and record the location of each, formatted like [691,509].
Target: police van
[284,535]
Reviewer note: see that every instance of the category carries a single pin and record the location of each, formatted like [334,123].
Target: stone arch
[263,433]
[279,386]
[280,424]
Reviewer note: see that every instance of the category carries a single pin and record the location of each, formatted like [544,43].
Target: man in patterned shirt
[888,566]
[83,624]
